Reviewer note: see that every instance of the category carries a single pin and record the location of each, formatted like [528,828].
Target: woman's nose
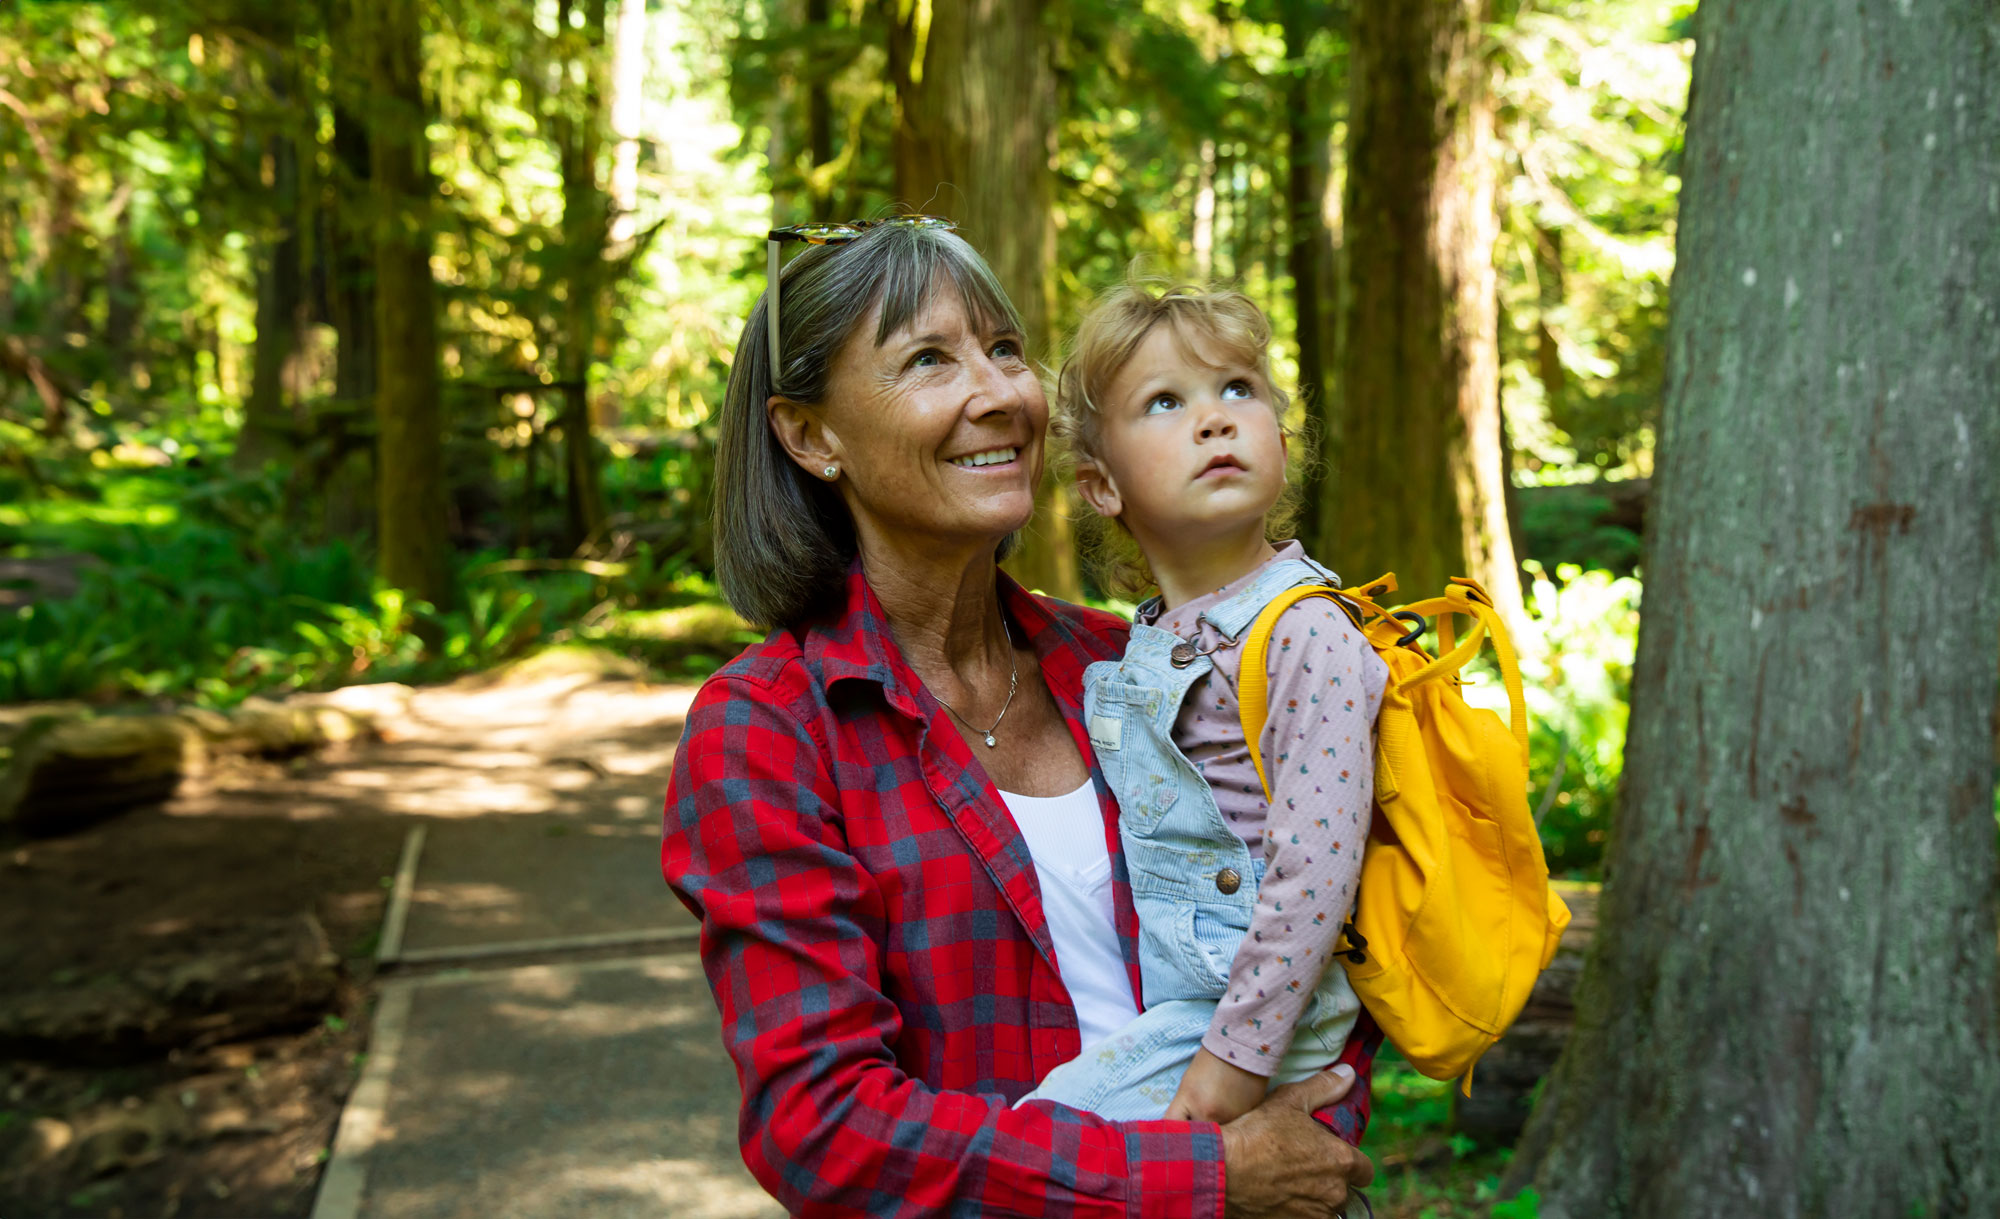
[996,391]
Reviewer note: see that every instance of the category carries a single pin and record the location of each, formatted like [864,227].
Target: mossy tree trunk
[411,537]
[1308,237]
[1791,1007]
[1416,476]
[974,138]
[270,430]
[578,126]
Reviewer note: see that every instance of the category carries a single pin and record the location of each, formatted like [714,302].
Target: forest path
[544,1044]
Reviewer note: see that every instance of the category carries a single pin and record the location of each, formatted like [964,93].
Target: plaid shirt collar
[858,644]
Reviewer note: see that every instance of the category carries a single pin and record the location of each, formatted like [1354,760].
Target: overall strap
[1231,616]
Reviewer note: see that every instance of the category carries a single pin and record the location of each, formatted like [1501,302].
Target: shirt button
[1227,881]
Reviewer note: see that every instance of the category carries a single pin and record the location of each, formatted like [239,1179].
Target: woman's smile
[989,459]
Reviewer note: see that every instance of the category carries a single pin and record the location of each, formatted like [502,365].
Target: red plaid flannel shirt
[872,930]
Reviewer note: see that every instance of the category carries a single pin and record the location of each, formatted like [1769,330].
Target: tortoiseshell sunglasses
[827,233]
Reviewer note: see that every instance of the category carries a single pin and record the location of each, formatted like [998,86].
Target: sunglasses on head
[826,233]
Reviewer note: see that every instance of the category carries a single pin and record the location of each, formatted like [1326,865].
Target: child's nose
[1217,427]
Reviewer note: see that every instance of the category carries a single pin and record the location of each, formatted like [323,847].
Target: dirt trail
[540,794]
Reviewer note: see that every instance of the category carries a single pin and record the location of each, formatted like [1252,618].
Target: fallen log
[68,768]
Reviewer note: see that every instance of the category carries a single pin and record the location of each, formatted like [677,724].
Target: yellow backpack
[1455,918]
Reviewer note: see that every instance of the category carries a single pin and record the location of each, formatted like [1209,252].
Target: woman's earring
[831,472]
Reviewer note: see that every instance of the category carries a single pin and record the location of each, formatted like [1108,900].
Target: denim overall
[1194,882]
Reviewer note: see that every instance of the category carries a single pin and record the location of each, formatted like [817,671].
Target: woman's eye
[930,357]
[1006,349]
[1162,403]
[1238,388]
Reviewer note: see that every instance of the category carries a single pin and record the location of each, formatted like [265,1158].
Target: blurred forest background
[347,342]
[359,341]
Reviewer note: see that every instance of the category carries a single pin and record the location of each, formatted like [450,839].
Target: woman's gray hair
[783,539]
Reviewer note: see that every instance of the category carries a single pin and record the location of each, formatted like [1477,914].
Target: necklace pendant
[990,742]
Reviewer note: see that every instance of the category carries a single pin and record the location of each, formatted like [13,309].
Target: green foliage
[1568,525]
[1591,96]
[1525,1205]
[217,600]
[1577,674]
[1422,1167]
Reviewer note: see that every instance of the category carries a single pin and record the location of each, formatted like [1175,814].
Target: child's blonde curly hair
[1101,347]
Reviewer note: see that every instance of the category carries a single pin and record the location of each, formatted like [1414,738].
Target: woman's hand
[1216,1091]
[1279,1162]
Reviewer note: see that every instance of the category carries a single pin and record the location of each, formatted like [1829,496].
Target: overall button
[1227,881]
[1182,655]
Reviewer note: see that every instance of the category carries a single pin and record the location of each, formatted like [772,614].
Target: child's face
[1188,444]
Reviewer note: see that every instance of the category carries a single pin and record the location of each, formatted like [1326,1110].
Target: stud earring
[831,472]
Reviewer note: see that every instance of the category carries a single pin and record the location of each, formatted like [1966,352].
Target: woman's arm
[792,934]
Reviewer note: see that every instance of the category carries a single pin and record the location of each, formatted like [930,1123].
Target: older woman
[888,816]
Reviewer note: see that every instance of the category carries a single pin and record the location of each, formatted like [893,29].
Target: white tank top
[1073,864]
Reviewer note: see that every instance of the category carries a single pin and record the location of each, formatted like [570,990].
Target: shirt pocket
[1121,716]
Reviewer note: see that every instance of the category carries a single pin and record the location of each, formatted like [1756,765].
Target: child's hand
[1214,1091]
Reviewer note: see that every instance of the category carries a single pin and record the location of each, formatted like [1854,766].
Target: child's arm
[1318,750]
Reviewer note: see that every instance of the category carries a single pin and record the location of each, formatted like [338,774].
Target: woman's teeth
[991,457]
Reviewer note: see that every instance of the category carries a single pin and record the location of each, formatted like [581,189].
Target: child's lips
[1221,466]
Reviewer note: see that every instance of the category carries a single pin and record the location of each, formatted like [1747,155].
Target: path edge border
[345,1180]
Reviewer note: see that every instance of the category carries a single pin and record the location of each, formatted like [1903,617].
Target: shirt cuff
[1175,1170]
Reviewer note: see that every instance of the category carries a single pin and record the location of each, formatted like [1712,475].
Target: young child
[1168,405]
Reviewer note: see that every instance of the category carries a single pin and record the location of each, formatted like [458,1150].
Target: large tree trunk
[579,132]
[975,131]
[343,473]
[1790,1009]
[1309,239]
[411,544]
[1416,481]
[269,430]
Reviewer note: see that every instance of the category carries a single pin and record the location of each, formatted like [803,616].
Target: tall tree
[1791,1006]
[578,127]
[269,429]
[411,538]
[1416,473]
[974,140]
[1309,239]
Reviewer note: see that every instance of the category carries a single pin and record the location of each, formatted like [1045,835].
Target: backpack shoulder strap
[1252,683]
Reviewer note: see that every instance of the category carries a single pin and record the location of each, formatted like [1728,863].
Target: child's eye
[1162,403]
[1238,388]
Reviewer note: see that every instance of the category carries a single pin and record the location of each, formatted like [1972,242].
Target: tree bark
[345,479]
[1791,1006]
[579,132]
[974,140]
[819,118]
[1309,241]
[1416,478]
[411,543]
[269,430]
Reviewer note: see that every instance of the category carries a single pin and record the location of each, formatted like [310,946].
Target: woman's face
[937,433]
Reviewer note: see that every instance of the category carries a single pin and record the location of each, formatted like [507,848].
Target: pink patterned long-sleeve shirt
[1318,746]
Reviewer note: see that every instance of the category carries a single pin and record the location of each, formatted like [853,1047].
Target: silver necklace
[1013,680]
